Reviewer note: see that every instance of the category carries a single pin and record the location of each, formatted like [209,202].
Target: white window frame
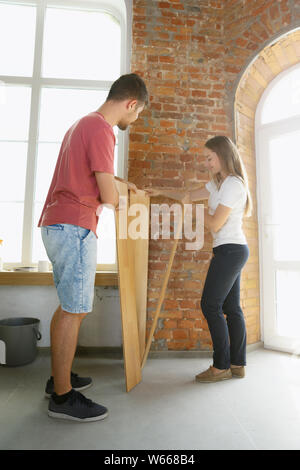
[116,8]
[266,226]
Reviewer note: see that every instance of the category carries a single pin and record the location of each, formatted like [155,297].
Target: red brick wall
[190,54]
[248,26]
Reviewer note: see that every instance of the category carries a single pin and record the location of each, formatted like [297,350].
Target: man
[83,180]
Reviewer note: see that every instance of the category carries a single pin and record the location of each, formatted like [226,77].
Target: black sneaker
[77,408]
[78,383]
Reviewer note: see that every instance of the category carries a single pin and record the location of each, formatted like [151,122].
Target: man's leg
[67,403]
[64,335]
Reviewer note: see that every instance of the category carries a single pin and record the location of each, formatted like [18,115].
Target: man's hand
[132,187]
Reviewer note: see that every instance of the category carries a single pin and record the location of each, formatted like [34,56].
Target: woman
[228,201]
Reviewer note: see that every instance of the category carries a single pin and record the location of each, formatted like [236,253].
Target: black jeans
[221,294]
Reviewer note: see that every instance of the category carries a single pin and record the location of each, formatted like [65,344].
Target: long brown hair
[232,164]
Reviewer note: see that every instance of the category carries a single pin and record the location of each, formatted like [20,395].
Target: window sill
[46,279]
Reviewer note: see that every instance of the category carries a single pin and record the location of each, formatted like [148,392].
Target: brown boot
[238,372]
[209,376]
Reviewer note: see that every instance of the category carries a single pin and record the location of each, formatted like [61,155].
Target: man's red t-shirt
[73,196]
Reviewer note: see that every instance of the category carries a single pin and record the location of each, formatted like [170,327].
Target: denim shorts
[72,251]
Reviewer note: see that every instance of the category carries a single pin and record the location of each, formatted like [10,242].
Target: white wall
[101,328]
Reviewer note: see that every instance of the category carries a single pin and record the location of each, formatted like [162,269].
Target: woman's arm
[177,195]
[215,222]
[199,194]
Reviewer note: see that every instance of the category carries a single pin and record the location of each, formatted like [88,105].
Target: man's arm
[107,187]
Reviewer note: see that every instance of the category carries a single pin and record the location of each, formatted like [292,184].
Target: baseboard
[195,354]
[107,352]
[255,346]
[117,352]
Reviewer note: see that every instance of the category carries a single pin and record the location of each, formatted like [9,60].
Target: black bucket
[18,338]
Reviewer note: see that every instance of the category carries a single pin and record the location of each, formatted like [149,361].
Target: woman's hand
[152,192]
[186,198]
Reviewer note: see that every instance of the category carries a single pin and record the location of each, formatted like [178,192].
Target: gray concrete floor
[168,410]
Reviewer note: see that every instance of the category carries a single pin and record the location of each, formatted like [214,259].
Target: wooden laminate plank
[141,251]
[125,252]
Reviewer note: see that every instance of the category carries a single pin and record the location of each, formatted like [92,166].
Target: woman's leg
[236,325]
[214,293]
[223,271]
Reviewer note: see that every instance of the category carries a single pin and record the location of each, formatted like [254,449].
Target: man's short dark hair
[129,86]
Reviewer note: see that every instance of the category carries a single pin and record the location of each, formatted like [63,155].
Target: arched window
[58,60]
[282,98]
[278,170]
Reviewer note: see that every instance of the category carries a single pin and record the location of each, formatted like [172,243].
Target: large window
[278,167]
[58,60]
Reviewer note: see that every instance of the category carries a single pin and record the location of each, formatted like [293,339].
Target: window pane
[15,113]
[285,195]
[106,252]
[116,160]
[72,104]
[288,309]
[283,101]
[13,156]
[11,230]
[38,249]
[46,161]
[81,44]
[106,232]
[61,107]
[17,34]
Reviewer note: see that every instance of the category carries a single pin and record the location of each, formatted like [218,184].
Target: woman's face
[212,161]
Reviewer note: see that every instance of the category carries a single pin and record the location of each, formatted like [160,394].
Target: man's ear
[131,105]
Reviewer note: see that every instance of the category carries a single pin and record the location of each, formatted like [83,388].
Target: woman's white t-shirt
[233,194]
